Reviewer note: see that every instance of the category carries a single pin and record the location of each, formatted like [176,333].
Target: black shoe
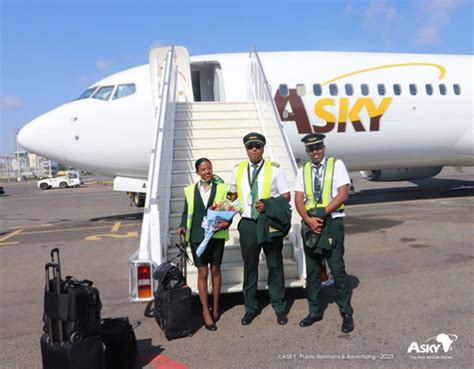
[210,327]
[310,319]
[248,318]
[347,323]
[282,319]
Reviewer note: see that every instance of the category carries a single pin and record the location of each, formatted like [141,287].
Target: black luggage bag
[120,343]
[173,298]
[85,354]
[74,303]
[59,353]
[173,312]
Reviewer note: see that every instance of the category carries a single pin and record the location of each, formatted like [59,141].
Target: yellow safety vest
[221,194]
[267,181]
[328,178]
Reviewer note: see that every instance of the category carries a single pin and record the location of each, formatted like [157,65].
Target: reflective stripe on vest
[221,194]
[267,182]
[328,179]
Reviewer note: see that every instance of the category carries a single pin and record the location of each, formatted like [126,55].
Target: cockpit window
[103,93]
[87,93]
[124,90]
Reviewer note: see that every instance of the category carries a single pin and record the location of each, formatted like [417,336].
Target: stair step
[217,123]
[211,142]
[232,273]
[214,106]
[262,285]
[225,114]
[223,152]
[232,252]
[217,164]
[211,133]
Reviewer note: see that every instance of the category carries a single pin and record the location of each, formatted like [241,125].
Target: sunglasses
[254,146]
[314,148]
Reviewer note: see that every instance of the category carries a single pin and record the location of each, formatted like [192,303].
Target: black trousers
[251,254]
[335,258]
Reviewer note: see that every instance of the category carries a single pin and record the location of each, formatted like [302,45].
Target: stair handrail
[154,239]
[262,93]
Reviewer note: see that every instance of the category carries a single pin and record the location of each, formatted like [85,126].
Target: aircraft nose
[49,135]
[28,136]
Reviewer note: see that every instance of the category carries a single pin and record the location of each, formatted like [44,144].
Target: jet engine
[400,174]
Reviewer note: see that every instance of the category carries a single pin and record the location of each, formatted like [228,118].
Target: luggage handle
[57,275]
[55,257]
[184,257]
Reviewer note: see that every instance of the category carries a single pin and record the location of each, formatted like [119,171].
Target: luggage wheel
[75,337]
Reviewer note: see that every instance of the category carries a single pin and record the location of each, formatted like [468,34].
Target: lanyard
[256,176]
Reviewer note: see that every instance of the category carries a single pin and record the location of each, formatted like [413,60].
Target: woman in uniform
[198,198]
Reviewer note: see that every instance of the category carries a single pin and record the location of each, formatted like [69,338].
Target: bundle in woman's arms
[222,211]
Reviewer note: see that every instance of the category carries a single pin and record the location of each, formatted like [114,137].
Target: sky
[51,50]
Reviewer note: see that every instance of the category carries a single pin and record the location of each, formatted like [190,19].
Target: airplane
[402,111]
[391,116]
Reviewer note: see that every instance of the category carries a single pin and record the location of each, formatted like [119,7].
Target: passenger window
[364,89]
[103,93]
[317,90]
[429,89]
[442,89]
[333,89]
[412,88]
[349,89]
[381,89]
[87,93]
[397,90]
[300,89]
[457,89]
[283,89]
[124,90]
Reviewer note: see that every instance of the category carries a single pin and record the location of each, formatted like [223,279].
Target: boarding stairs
[185,131]
[215,130]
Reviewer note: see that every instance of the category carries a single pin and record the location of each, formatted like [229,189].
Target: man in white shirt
[322,187]
[253,180]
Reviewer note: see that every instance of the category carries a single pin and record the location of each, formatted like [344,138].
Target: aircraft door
[207,82]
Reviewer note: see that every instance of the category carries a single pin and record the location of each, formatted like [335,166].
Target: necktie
[317,183]
[254,190]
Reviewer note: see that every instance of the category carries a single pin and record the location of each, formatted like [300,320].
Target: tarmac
[408,252]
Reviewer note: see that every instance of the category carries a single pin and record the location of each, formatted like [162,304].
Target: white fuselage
[371,131]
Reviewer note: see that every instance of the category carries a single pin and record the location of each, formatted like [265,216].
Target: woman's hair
[200,161]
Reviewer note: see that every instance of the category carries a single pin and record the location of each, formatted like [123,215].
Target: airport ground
[409,255]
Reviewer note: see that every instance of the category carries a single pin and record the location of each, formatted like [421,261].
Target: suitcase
[173,312]
[120,343]
[58,353]
[85,354]
[173,305]
[76,303]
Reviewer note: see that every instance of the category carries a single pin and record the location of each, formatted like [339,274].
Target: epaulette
[275,164]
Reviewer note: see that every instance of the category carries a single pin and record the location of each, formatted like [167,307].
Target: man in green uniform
[253,180]
[322,187]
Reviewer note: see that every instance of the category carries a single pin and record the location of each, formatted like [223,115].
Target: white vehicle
[71,179]
[393,117]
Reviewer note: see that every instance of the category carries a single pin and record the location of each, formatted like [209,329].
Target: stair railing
[263,97]
[154,238]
